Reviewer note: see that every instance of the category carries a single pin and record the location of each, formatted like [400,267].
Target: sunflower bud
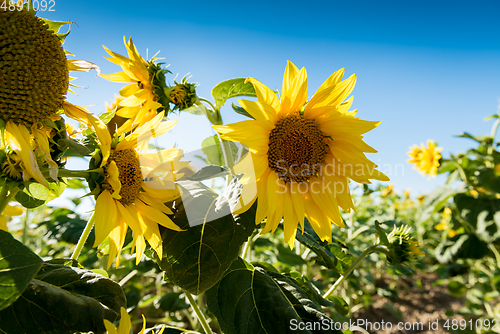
[402,246]
[182,95]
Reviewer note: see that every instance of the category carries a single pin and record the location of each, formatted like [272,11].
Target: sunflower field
[280,223]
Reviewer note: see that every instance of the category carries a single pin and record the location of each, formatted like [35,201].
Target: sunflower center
[130,174]
[33,69]
[296,149]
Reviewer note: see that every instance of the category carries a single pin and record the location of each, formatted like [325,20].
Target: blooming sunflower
[301,156]
[125,324]
[34,79]
[426,159]
[134,189]
[141,95]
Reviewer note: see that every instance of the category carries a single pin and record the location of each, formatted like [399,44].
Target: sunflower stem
[197,310]
[83,238]
[75,173]
[360,258]
[209,113]
[228,157]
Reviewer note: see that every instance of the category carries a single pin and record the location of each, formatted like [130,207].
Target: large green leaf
[64,300]
[197,257]
[211,147]
[333,256]
[207,172]
[461,246]
[249,300]
[18,265]
[231,88]
[36,194]
[482,213]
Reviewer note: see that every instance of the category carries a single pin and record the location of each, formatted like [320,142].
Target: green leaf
[18,265]
[435,201]
[55,26]
[289,257]
[231,88]
[64,299]
[381,234]
[249,300]
[73,148]
[333,256]
[36,194]
[211,147]
[73,183]
[107,116]
[198,256]
[482,213]
[241,111]
[483,140]
[171,302]
[456,289]
[309,288]
[461,246]
[207,172]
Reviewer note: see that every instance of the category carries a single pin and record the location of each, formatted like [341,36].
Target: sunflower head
[426,159]
[33,69]
[402,245]
[388,191]
[302,154]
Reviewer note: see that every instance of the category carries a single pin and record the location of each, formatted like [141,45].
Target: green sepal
[55,26]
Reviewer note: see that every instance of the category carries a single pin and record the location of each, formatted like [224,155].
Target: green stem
[461,171]
[25,228]
[351,268]
[214,119]
[83,238]
[228,157]
[245,249]
[4,198]
[197,310]
[84,174]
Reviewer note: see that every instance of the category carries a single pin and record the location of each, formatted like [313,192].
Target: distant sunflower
[426,159]
[303,155]
[126,198]
[141,95]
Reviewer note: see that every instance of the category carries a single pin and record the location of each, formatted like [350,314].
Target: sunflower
[301,156]
[402,246]
[34,79]
[141,95]
[134,188]
[426,159]
[125,324]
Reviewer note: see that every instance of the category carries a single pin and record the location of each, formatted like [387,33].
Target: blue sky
[427,70]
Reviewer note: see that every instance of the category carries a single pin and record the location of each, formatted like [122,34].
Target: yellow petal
[262,112]
[296,96]
[156,215]
[340,126]
[43,146]
[113,179]
[250,133]
[291,72]
[125,323]
[18,138]
[110,328]
[13,210]
[105,216]
[119,77]
[3,223]
[265,94]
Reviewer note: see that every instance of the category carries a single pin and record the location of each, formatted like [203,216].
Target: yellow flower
[32,90]
[407,193]
[125,324]
[135,188]
[421,199]
[9,211]
[426,159]
[445,223]
[497,169]
[388,191]
[140,104]
[302,156]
